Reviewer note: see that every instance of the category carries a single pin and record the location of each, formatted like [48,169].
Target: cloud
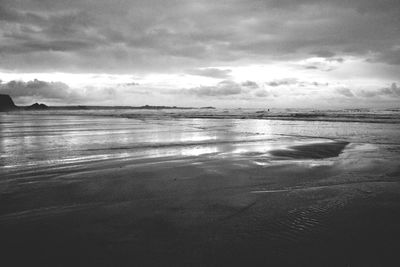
[143,35]
[211,72]
[323,53]
[228,88]
[333,41]
[250,84]
[345,92]
[390,56]
[129,84]
[37,46]
[38,89]
[55,92]
[322,64]
[224,88]
[336,59]
[262,93]
[294,82]
[393,90]
[280,82]
[368,94]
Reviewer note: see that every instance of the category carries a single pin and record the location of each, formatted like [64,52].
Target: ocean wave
[342,115]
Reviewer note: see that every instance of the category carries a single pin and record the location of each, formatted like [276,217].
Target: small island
[6,103]
[37,106]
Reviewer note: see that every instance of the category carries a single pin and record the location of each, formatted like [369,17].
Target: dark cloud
[38,89]
[13,15]
[55,92]
[345,92]
[390,56]
[36,46]
[362,6]
[123,36]
[211,72]
[8,15]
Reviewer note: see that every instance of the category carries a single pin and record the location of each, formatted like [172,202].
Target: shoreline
[160,116]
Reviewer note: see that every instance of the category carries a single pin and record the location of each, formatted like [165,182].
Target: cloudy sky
[228,53]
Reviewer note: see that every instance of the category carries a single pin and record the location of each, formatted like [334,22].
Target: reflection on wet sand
[38,141]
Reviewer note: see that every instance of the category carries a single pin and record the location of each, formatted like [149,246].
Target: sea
[31,140]
[200,187]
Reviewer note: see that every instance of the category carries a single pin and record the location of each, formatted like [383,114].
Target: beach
[184,189]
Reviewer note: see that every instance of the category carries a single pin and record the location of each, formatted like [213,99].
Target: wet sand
[207,194]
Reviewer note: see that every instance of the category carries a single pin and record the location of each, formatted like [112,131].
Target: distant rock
[6,103]
[37,106]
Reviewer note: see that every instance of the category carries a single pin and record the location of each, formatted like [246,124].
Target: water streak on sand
[321,187]
[47,211]
[312,151]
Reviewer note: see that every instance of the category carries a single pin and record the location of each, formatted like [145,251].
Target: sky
[226,53]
